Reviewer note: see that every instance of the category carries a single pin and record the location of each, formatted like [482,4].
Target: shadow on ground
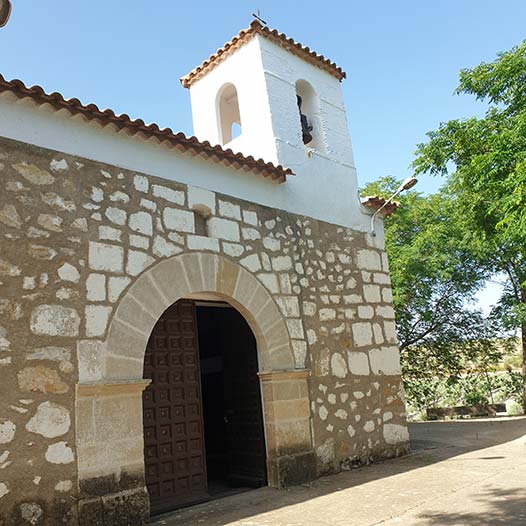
[506,508]
[432,442]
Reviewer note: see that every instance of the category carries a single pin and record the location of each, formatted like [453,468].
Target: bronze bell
[5,11]
[306,128]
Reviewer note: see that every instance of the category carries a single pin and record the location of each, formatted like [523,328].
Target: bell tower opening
[310,116]
[229,118]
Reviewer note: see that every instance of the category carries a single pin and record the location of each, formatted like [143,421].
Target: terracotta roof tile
[179,140]
[374,203]
[256,28]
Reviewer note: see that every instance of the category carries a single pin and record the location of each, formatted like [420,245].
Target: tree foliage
[484,161]
[434,277]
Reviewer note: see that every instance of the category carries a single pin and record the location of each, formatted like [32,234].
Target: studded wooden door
[243,408]
[172,412]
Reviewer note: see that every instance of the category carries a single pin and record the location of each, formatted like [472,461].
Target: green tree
[484,160]
[434,277]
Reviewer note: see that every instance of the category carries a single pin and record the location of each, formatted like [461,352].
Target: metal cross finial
[258,17]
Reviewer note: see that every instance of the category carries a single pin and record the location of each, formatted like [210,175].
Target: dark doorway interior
[202,417]
[232,413]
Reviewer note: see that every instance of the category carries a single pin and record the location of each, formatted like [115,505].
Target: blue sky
[402,58]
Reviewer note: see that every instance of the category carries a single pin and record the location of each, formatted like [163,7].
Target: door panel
[243,408]
[172,413]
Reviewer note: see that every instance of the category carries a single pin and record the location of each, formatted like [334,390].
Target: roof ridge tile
[244,35]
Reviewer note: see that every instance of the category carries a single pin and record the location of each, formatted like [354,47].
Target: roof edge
[191,144]
[257,28]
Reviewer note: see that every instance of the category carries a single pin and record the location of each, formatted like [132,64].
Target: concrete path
[460,473]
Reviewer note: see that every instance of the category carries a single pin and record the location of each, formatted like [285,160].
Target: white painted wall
[265,75]
[324,188]
[244,69]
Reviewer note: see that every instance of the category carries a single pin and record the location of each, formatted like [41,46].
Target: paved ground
[460,473]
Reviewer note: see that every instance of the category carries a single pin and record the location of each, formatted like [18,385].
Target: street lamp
[406,185]
[5,11]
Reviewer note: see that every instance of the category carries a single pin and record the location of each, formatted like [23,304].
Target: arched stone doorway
[202,412]
[109,413]
[187,276]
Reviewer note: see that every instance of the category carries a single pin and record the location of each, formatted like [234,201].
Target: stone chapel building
[179,315]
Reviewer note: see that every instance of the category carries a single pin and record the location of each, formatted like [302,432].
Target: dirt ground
[459,473]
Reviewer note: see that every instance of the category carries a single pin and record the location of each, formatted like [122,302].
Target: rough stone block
[139,241]
[109,233]
[50,420]
[365,312]
[223,229]
[289,306]
[97,317]
[385,361]
[96,287]
[42,379]
[89,356]
[141,183]
[106,257]
[270,281]
[368,259]
[362,334]
[327,314]
[116,215]
[59,453]
[390,331]
[280,263]
[250,217]
[230,210]
[168,194]
[371,293]
[55,320]
[201,200]
[358,363]
[141,222]
[296,469]
[203,243]
[116,284]
[338,365]
[395,434]
[251,262]
[137,262]
[68,272]
[179,220]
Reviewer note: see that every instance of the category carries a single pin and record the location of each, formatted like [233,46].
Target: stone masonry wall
[75,234]
[43,250]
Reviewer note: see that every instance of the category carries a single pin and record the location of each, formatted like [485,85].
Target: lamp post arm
[373,217]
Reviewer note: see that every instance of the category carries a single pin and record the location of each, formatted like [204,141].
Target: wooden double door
[202,414]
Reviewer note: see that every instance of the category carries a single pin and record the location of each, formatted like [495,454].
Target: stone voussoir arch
[182,276]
